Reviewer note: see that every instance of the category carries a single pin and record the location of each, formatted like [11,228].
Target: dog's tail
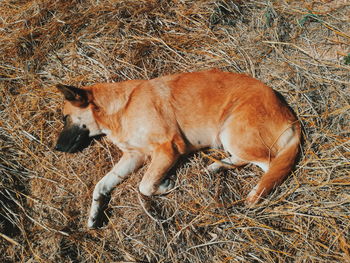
[280,166]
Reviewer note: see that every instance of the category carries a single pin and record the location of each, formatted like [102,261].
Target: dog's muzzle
[73,139]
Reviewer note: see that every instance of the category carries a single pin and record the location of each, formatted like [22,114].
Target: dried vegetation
[301,48]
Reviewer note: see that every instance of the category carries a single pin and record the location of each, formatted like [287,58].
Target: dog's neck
[111,100]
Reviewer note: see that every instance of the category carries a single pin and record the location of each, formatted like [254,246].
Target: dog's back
[202,103]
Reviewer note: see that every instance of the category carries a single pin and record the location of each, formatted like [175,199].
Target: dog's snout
[58,148]
[72,139]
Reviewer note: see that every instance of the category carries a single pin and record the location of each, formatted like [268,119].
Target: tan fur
[173,115]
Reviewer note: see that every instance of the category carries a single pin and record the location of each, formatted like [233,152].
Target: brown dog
[173,115]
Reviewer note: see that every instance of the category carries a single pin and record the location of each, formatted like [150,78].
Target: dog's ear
[79,97]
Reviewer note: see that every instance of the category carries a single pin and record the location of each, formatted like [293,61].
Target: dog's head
[79,122]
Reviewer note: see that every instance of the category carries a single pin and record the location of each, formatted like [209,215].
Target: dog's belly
[202,137]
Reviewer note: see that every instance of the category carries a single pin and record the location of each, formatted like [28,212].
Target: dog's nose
[58,147]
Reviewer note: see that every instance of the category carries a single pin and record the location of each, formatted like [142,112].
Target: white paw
[214,168]
[165,186]
[98,208]
[146,188]
[252,197]
[91,223]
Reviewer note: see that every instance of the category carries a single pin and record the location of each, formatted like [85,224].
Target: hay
[300,49]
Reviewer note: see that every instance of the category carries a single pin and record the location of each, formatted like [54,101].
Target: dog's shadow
[105,212]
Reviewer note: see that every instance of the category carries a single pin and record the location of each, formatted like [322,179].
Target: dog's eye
[84,126]
[64,118]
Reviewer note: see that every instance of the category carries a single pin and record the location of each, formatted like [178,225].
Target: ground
[300,48]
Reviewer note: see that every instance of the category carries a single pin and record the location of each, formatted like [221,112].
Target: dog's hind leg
[126,165]
[163,158]
[229,162]
[227,141]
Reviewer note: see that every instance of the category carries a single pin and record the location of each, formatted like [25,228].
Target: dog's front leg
[163,158]
[126,165]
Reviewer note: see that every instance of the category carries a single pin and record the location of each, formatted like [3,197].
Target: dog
[169,116]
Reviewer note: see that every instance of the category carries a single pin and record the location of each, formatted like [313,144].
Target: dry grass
[299,48]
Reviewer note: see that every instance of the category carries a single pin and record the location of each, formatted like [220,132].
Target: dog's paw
[165,186]
[148,189]
[98,212]
[253,197]
[92,223]
[213,168]
[97,221]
